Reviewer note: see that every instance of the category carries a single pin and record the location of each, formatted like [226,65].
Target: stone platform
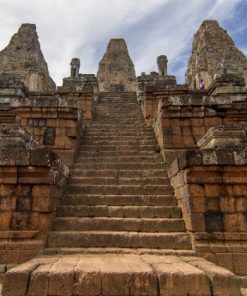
[120,275]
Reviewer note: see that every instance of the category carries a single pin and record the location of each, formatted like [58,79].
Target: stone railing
[31,182]
[211,188]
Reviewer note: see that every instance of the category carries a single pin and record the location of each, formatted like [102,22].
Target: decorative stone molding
[223,136]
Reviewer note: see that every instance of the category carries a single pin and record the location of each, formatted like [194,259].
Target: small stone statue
[162,64]
[75,67]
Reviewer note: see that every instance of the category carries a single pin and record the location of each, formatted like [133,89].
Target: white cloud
[82,28]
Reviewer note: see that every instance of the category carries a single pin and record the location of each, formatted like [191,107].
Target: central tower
[116,69]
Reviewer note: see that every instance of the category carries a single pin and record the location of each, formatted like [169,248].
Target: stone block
[23,204]
[227,204]
[179,278]
[225,260]
[240,263]
[62,279]
[34,175]
[11,157]
[197,222]
[7,203]
[213,190]
[49,136]
[44,204]
[196,204]
[5,219]
[41,221]
[242,221]
[39,280]
[231,222]
[43,157]
[20,221]
[223,282]
[212,204]
[214,222]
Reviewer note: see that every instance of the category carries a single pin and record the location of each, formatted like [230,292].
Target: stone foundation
[211,188]
[31,183]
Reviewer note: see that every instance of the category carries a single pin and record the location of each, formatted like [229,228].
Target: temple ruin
[115,185]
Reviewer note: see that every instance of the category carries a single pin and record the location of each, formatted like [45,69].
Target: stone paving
[120,275]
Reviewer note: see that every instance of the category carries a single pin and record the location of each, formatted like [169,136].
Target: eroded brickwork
[211,188]
[31,182]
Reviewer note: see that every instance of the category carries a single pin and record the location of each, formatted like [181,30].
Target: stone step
[131,114]
[119,166]
[120,189]
[126,126]
[118,224]
[135,152]
[119,200]
[129,159]
[118,181]
[116,138]
[132,124]
[119,133]
[118,173]
[118,211]
[133,118]
[119,110]
[119,142]
[65,239]
[120,275]
[115,251]
[119,147]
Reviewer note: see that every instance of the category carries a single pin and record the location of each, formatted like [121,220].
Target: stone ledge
[196,100]
[121,275]
[208,157]
[26,234]
[33,159]
[223,136]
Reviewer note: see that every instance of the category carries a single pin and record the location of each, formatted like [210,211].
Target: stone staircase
[119,195]
[118,230]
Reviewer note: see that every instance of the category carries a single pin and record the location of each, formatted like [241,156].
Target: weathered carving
[75,67]
[162,64]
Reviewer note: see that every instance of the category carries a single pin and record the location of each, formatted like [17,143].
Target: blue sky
[82,28]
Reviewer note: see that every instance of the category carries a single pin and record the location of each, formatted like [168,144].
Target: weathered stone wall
[152,96]
[53,123]
[86,98]
[39,132]
[211,188]
[116,70]
[31,182]
[182,121]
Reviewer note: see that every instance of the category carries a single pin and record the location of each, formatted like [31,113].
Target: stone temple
[115,185]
